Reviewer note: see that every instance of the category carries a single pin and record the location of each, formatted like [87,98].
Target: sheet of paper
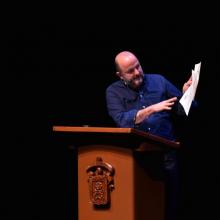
[189,95]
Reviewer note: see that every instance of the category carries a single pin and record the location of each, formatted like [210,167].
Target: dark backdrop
[57,75]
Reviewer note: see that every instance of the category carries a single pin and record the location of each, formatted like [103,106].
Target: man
[147,102]
[143,101]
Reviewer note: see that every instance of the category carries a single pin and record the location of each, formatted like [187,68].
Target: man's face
[132,73]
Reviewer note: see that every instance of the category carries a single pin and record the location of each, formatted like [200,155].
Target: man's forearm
[143,114]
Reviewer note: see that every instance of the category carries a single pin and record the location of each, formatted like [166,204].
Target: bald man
[147,102]
[143,101]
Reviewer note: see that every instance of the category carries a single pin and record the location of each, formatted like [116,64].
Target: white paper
[189,95]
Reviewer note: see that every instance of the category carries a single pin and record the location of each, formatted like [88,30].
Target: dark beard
[132,85]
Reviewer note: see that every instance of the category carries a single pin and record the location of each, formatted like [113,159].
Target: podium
[118,172]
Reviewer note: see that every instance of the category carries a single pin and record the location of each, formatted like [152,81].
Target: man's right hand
[146,112]
[164,105]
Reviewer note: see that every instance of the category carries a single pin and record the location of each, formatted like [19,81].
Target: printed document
[188,96]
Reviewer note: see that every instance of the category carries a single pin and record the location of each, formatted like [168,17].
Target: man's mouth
[137,79]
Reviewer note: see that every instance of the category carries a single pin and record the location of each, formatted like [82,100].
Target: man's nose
[136,71]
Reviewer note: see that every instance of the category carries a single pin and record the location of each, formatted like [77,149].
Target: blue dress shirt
[123,103]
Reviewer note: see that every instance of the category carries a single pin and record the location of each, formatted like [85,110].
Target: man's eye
[138,66]
[130,71]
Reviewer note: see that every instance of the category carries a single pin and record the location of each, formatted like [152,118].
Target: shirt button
[143,106]
[148,129]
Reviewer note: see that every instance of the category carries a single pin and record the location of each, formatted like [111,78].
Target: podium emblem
[101,182]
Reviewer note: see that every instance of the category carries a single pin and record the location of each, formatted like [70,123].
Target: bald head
[124,59]
[129,69]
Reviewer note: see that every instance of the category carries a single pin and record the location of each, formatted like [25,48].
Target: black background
[57,73]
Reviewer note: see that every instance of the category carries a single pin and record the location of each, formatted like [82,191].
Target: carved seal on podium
[101,182]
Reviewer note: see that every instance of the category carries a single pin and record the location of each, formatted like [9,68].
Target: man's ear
[119,75]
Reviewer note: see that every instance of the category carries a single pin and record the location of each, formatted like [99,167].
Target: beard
[135,82]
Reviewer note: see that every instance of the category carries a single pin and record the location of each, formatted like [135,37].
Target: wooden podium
[119,172]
